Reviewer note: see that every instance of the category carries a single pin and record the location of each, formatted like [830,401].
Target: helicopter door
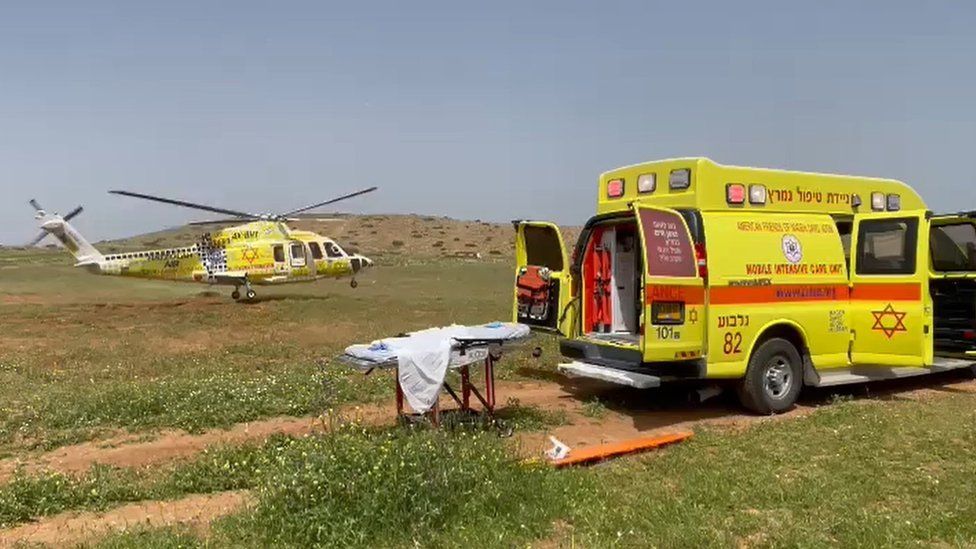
[280,263]
[297,255]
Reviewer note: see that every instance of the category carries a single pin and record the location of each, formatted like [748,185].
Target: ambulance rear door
[543,296]
[673,315]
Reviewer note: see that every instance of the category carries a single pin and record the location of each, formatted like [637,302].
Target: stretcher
[468,345]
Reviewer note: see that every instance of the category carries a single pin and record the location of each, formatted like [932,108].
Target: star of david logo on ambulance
[888,321]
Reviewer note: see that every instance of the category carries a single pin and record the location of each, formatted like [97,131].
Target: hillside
[389,237]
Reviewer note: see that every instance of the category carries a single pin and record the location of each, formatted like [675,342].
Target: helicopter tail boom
[69,237]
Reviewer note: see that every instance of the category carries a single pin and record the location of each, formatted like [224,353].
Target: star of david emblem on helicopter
[250,255]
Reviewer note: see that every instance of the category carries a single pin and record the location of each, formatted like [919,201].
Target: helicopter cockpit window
[332,250]
[316,250]
[279,254]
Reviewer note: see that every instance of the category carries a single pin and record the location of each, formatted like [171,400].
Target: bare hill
[387,236]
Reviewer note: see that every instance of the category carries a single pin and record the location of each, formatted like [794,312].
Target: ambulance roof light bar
[757,195]
[878,202]
[894,202]
[735,194]
[646,183]
[679,179]
[615,188]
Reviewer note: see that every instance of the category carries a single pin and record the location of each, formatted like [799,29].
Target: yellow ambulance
[769,279]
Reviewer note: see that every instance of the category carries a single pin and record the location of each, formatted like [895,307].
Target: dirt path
[72,528]
[620,414]
[172,445]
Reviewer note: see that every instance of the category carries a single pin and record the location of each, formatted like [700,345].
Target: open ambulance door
[543,281]
[891,310]
[673,314]
[952,283]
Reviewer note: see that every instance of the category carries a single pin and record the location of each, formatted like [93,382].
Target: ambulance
[767,280]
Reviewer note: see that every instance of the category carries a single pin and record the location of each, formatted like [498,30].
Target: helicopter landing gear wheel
[353,283]
[251,294]
[236,294]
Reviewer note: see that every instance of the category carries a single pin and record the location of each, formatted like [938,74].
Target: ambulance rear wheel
[773,379]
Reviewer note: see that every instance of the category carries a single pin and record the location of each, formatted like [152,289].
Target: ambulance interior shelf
[611,281]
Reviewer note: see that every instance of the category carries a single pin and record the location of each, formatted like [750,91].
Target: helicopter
[259,249]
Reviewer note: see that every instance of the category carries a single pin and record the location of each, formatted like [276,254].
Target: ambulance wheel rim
[778,378]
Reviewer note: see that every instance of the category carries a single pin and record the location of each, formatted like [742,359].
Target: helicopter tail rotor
[41,214]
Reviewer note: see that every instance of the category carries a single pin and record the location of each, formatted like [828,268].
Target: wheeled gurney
[422,358]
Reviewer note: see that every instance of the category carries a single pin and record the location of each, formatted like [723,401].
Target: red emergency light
[615,188]
[735,193]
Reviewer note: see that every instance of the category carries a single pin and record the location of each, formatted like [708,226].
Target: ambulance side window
[844,230]
[953,247]
[887,246]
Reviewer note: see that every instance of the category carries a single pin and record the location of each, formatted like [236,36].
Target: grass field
[107,365]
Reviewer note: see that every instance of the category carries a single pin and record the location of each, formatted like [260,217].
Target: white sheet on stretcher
[423,357]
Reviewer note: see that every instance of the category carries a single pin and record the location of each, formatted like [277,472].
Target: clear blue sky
[490,110]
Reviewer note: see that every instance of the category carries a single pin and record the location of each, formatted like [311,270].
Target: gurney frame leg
[467,389]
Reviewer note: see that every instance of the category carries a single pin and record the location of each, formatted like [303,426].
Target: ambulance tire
[773,379]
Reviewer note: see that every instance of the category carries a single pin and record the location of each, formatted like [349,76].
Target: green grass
[867,474]
[204,398]
[398,488]
[82,356]
[162,538]
[856,473]
[594,408]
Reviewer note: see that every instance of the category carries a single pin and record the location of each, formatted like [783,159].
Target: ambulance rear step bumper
[579,369]
[879,373]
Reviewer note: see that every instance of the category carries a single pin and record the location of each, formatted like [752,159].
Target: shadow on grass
[679,403]
[285,297]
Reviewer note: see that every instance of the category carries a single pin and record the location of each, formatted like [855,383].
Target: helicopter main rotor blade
[34,203]
[228,221]
[187,204]
[327,202]
[73,213]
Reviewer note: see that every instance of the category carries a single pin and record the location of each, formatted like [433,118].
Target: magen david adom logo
[792,249]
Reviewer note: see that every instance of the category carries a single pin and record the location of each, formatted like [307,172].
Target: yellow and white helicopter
[263,250]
